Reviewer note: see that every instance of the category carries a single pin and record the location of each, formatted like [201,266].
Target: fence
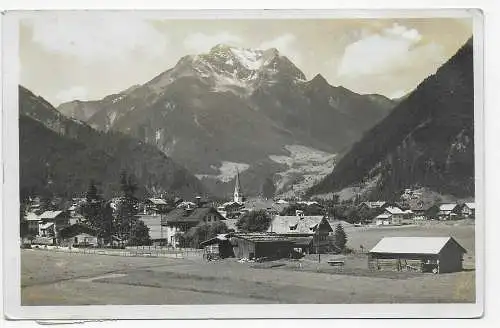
[137,251]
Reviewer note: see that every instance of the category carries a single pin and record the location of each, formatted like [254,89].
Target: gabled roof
[296,224]
[157,201]
[376,204]
[46,225]
[49,215]
[413,245]
[382,216]
[447,207]
[32,217]
[181,215]
[394,210]
[472,206]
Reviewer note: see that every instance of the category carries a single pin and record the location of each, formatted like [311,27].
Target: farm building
[469,210]
[260,245]
[249,245]
[316,227]
[79,235]
[448,211]
[218,246]
[420,254]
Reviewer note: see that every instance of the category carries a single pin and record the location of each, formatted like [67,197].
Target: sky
[89,55]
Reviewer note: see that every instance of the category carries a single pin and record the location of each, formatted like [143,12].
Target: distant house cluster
[414,211]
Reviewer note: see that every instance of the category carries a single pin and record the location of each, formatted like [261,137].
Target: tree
[139,235]
[126,222]
[92,210]
[268,188]
[254,221]
[340,238]
[23,223]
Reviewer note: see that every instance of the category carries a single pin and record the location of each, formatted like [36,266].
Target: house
[419,207]
[154,206]
[230,209]
[317,227]
[180,220]
[33,223]
[52,222]
[219,246]
[186,205]
[78,235]
[469,210]
[448,211]
[383,219]
[396,214]
[420,254]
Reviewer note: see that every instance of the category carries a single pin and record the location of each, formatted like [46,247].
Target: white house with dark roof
[469,209]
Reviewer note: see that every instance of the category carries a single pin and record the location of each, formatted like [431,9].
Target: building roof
[195,215]
[260,237]
[32,217]
[296,224]
[413,245]
[263,204]
[46,225]
[376,204]
[472,206]
[216,239]
[447,207]
[157,201]
[394,210]
[49,215]
[301,241]
[383,216]
[185,204]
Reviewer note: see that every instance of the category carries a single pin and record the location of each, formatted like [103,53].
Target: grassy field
[51,278]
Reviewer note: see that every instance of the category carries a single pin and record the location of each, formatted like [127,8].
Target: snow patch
[250,59]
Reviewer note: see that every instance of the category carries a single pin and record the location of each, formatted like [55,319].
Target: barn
[260,245]
[419,254]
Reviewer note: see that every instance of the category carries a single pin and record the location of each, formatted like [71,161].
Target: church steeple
[237,195]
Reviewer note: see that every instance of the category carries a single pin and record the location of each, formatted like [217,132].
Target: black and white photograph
[253,159]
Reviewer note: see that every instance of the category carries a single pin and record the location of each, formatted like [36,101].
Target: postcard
[243,164]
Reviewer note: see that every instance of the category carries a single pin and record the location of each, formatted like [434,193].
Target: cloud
[96,37]
[392,49]
[77,92]
[287,46]
[201,42]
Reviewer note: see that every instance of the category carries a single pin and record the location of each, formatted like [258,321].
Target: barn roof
[413,245]
[260,237]
[32,217]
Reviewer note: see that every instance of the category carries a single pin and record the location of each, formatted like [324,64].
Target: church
[229,209]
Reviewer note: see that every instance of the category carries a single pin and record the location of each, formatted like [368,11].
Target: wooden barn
[260,245]
[419,254]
